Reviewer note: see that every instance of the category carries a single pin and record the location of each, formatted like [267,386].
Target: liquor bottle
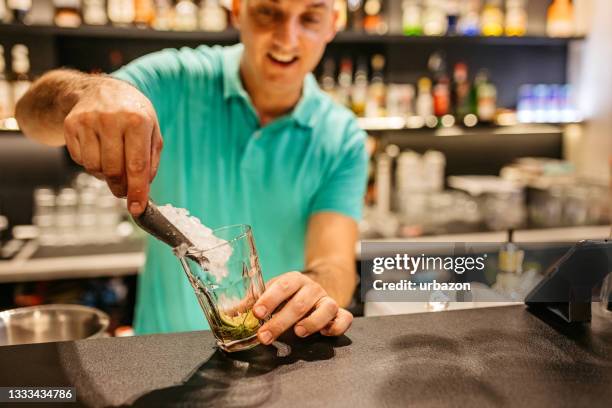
[560,19]
[424,101]
[144,13]
[21,69]
[67,13]
[341,8]
[328,83]
[377,95]
[492,20]
[434,18]
[355,15]
[213,17]
[373,21]
[453,10]
[345,82]
[526,104]
[516,18]
[359,93]
[185,16]
[437,65]
[18,10]
[121,12]
[164,15]
[94,12]
[400,99]
[6,93]
[469,19]
[384,165]
[441,96]
[486,97]
[461,91]
[411,17]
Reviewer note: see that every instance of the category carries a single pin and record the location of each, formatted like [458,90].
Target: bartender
[249,138]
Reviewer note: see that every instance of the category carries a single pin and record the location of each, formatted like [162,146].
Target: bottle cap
[372,7]
[378,62]
[424,84]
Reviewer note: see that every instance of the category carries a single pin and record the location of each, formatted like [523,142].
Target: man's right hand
[112,131]
[109,127]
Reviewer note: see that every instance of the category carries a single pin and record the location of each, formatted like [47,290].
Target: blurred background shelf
[534,40]
[119,32]
[232,35]
[75,267]
[78,262]
[412,125]
[379,126]
[564,235]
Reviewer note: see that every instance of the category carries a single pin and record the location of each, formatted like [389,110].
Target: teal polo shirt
[220,164]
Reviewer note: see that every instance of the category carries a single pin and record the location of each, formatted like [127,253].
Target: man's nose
[287,33]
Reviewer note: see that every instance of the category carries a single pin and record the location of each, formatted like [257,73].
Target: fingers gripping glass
[227,281]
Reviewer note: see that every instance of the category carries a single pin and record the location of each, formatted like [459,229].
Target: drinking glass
[227,281]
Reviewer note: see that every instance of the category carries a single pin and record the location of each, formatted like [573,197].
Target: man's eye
[265,11]
[311,19]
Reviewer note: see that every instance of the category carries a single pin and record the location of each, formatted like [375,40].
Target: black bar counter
[503,356]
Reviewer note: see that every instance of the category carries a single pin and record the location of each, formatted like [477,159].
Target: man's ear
[236,9]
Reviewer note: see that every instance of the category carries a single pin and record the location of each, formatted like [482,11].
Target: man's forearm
[42,110]
[338,281]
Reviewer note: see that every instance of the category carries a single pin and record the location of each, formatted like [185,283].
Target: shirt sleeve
[343,189]
[158,76]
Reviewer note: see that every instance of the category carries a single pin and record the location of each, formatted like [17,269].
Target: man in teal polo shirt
[249,138]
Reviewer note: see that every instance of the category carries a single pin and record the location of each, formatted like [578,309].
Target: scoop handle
[155,223]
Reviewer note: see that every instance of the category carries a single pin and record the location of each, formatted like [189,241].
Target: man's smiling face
[284,39]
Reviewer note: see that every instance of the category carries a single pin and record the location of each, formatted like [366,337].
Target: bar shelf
[231,35]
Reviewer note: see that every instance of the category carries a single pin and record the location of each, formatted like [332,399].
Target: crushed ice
[202,238]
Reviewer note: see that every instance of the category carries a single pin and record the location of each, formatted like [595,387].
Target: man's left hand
[308,309]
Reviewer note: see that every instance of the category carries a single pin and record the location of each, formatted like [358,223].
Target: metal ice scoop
[155,223]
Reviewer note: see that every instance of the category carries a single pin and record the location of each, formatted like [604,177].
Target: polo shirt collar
[232,84]
[304,112]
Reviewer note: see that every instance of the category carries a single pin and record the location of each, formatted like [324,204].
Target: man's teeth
[283,57]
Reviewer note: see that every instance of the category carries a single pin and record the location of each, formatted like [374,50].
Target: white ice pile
[202,238]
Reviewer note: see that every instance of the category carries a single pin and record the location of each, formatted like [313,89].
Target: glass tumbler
[227,281]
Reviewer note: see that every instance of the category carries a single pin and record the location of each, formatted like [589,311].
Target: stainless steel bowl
[48,323]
